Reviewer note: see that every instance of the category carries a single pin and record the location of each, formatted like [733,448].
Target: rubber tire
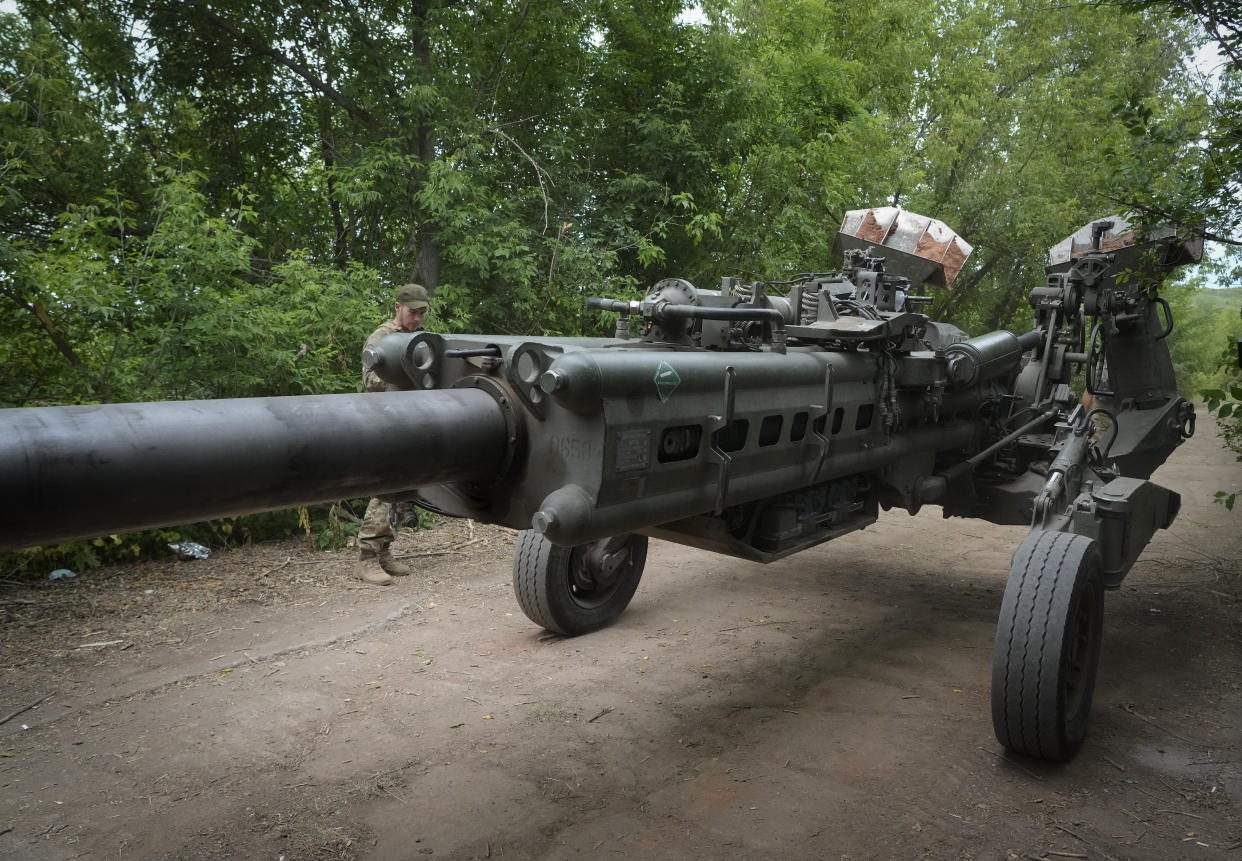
[543,584]
[1047,646]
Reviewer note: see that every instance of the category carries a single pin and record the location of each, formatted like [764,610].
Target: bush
[1227,407]
[325,528]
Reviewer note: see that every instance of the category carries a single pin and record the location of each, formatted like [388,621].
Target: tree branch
[496,71]
[967,285]
[1173,220]
[300,69]
[540,173]
[377,54]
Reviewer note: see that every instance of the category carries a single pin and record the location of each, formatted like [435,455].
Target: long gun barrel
[76,472]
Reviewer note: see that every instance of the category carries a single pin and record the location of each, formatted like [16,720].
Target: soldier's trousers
[377,530]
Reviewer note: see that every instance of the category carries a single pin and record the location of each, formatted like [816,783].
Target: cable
[1112,420]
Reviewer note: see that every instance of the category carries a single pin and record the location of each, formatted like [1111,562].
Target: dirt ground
[261,704]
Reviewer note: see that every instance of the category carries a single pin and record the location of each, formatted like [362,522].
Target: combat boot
[369,569]
[392,565]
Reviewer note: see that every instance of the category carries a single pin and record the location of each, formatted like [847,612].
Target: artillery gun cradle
[752,420]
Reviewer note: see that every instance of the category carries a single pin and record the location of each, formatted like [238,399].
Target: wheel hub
[598,565]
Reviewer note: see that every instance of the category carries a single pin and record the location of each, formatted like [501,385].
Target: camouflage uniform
[375,564]
[377,530]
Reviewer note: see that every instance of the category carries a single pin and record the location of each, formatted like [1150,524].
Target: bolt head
[543,521]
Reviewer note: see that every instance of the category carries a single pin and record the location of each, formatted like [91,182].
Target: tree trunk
[340,241]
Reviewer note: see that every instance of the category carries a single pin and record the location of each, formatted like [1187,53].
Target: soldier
[375,562]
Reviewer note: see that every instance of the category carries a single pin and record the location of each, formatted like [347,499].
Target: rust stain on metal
[906,235]
[871,230]
[930,248]
[953,261]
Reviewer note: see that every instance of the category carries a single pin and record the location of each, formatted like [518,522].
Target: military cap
[412,296]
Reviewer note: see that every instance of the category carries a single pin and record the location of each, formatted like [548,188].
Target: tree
[1205,193]
[1006,133]
[517,157]
[57,151]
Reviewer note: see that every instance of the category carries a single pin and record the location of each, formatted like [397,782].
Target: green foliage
[180,311]
[1206,190]
[1226,405]
[1207,325]
[1205,351]
[330,532]
[1006,133]
[325,528]
[515,159]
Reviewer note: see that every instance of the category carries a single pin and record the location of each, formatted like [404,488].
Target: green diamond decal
[666,380]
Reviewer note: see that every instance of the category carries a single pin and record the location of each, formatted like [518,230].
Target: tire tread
[531,557]
[1030,637]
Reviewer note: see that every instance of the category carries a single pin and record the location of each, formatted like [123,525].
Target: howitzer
[754,420]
